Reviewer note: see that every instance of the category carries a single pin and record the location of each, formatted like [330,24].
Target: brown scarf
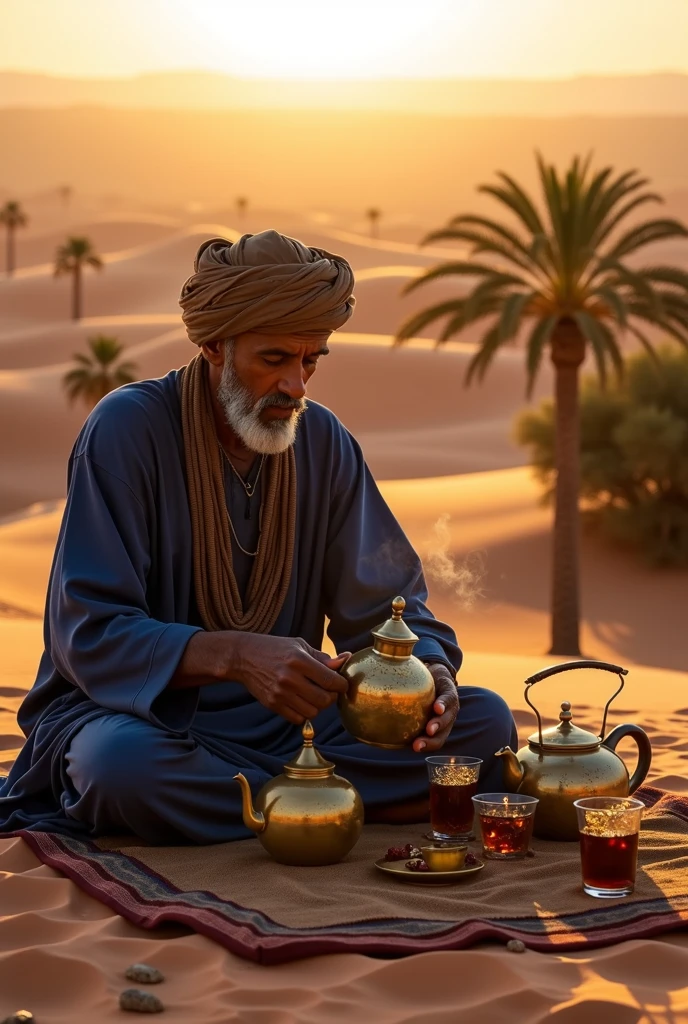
[217,593]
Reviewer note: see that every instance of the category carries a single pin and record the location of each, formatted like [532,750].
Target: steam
[464,578]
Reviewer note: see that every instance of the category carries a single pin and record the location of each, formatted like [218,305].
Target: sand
[459,486]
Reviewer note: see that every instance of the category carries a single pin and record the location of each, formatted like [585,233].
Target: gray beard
[242,412]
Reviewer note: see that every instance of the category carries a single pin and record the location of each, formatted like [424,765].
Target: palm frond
[456,323]
[645,234]
[479,364]
[489,289]
[615,302]
[460,267]
[518,201]
[523,254]
[418,321]
[513,309]
[666,275]
[645,342]
[480,243]
[605,228]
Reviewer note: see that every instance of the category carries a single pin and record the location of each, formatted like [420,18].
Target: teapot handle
[566,666]
[644,751]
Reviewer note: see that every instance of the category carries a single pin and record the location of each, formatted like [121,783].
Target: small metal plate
[403,874]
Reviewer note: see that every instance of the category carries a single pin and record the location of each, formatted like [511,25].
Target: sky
[346,38]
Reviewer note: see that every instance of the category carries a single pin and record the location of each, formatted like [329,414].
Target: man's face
[263,384]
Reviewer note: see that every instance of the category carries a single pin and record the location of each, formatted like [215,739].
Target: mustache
[281,402]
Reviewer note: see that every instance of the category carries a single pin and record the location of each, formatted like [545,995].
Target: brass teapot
[309,815]
[565,763]
[391,692]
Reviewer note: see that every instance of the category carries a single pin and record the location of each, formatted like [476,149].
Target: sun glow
[314,38]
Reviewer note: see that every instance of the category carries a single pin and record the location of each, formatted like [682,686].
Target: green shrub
[634,454]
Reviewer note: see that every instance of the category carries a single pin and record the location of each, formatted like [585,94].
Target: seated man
[204,542]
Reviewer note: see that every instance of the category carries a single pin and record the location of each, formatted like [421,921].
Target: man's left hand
[446,708]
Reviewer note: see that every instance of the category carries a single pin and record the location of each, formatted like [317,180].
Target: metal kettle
[564,763]
[307,816]
[391,692]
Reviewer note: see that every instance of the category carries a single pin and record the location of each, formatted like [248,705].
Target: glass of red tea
[453,783]
[506,824]
[608,828]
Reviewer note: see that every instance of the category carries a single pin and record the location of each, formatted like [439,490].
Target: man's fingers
[315,695]
[444,721]
[324,676]
[429,744]
[303,708]
[292,716]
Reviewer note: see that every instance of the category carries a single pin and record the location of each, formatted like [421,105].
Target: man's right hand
[287,675]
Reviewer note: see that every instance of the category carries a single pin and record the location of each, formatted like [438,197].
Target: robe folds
[120,607]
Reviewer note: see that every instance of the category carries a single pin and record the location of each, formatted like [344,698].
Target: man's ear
[214,352]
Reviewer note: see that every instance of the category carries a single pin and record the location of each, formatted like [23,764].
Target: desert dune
[446,464]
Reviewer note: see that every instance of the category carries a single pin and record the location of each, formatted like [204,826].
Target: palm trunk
[9,264]
[568,351]
[76,293]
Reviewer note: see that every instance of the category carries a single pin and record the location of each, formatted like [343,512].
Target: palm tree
[241,205]
[13,217]
[71,258]
[559,279]
[66,192]
[373,215]
[95,375]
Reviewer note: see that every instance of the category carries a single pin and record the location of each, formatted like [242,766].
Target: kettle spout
[513,769]
[253,819]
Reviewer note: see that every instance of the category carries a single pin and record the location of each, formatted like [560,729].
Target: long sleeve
[99,630]
[369,560]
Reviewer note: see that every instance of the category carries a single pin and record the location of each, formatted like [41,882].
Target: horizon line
[343,79]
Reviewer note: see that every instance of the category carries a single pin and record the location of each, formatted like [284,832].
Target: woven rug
[267,912]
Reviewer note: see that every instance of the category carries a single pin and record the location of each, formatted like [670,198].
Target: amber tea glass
[506,824]
[608,827]
[453,782]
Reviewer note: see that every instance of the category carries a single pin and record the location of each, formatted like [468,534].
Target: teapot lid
[565,734]
[308,763]
[395,631]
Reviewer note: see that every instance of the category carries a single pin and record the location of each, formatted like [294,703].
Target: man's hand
[446,708]
[289,676]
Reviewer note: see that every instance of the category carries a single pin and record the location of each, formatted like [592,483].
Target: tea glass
[453,781]
[608,830]
[506,824]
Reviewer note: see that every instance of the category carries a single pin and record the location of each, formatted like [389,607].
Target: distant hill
[293,159]
[587,95]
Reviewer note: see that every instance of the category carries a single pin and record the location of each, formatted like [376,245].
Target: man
[213,522]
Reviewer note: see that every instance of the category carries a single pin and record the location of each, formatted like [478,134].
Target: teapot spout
[513,769]
[253,819]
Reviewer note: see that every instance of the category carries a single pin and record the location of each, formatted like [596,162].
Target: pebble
[144,973]
[140,1002]
[20,1017]
[516,946]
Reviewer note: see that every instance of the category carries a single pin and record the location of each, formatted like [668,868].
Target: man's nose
[293,383]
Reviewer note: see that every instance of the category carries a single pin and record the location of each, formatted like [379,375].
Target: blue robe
[109,746]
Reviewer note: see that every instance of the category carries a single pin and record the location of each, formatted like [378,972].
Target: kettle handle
[644,751]
[565,666]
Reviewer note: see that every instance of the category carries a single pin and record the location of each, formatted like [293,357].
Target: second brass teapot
[391,692]
[566,763]
[308,816]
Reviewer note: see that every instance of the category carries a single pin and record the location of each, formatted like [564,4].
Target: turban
[268,283]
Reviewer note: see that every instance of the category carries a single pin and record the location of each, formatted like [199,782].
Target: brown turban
[268,283]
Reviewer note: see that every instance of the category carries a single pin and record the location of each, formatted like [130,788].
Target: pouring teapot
[565,763]
[308,815]
[391,692]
